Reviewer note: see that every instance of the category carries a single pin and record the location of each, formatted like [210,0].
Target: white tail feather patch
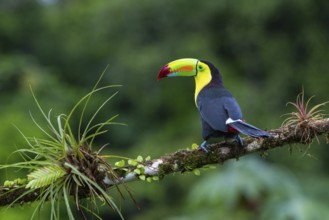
[230,121]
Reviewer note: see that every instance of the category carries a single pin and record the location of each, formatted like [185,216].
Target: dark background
[267,51]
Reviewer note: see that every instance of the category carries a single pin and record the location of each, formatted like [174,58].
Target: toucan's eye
[200,67]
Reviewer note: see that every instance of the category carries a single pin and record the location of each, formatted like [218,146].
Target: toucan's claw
[203,146]
[239,140]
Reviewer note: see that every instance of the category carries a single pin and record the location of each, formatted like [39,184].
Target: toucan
[219,111]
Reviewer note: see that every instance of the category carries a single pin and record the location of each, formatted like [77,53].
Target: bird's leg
[239,140]
[203,146]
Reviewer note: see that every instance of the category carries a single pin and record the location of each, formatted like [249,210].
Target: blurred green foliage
[265,50]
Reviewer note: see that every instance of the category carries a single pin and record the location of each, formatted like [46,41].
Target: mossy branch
[185,160]
[189,160]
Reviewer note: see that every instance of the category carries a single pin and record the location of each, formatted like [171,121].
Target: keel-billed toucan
[219,111]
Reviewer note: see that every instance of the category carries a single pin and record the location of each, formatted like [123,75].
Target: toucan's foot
[203,146]
[239,140]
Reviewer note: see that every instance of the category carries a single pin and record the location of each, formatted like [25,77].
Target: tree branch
[188,160]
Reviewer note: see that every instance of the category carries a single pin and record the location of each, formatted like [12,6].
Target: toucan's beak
[181,67]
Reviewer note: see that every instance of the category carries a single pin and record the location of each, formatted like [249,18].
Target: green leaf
[138,171]
[44,176]
[8,183]
[196,172]
[142,177]
[132,162]
[194,146]
[155,178]
[139,158]
[20,181]
[120,163]
[140,166]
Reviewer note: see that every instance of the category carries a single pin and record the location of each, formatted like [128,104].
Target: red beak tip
[163,72]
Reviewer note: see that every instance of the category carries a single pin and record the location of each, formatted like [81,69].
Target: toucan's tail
[246,128]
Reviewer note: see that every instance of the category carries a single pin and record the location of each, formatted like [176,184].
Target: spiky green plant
[303,116]
[62,166]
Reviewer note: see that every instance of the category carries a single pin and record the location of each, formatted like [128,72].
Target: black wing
[216,111]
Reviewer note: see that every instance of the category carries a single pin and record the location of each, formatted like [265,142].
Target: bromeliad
[219,111]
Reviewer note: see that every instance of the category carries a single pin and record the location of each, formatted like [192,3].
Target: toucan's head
[204,72]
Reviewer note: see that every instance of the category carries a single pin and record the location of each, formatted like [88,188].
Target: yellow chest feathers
[202,79]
